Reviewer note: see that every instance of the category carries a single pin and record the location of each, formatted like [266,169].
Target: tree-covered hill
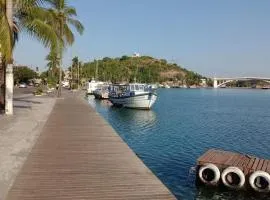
[141,69]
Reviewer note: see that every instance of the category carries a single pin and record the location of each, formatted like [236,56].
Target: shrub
[74,86]
[38,91]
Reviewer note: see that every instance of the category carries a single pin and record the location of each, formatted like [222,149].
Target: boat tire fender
[265,186]
[237,182]
[209,174]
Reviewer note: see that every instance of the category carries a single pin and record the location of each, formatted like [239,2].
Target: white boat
[92,86]
[167,86]
[133,95]
[102,91]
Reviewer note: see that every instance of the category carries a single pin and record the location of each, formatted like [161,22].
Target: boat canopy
[130,87]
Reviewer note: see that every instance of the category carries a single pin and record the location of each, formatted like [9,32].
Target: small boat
[102,92]
[167,86]
[265,88]
[133,95]
[92,86]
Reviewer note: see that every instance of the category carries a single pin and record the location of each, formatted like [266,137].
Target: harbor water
[184,123]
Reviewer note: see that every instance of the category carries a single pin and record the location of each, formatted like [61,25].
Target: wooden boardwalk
[223,159]
[79,156]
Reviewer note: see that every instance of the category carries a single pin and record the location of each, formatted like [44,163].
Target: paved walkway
[79,156]
[18,134]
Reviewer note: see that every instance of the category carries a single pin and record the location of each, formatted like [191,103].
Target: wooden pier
[79,156]
[234,170]
[224,159]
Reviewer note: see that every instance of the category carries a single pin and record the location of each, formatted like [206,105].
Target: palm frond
[6,37]
[77,24]
[68,35]
[41,31]
[70,11]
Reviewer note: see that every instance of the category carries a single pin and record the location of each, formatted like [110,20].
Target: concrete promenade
[18,133]
[79,156]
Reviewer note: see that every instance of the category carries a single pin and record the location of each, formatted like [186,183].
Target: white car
[22,85]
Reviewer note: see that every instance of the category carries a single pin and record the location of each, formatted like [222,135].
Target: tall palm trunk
[78,74]
[9,67]
[2,83]
[60,58]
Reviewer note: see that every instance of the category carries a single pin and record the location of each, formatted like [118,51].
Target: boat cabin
[128,89]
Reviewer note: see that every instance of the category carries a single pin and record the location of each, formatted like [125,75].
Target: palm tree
[53,61]
[63,16]
[7,42]
[29,16]
[75,64]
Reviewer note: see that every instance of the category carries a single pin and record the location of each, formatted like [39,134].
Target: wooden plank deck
[224,159]
[79,156]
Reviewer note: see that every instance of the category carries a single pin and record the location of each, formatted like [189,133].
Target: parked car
[22,85]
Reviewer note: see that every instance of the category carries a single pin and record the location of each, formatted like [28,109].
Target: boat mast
[96,75]
[135,78]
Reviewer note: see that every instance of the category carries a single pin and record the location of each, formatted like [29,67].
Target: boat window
[136,87]
[141,87]
[146,88]
[132,88]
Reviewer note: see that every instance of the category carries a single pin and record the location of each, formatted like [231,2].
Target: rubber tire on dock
[214,169]
[257,174]
[236,171]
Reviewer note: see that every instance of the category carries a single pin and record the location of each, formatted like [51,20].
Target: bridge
[219,82]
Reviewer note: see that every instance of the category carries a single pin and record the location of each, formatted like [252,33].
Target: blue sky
[215,38]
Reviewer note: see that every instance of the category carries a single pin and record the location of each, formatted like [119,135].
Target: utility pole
[96,75]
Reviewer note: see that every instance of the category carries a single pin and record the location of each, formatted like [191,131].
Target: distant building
[136,55]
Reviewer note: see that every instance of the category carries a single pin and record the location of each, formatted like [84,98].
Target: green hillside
[142,69]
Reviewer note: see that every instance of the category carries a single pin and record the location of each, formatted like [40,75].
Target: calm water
[184,123]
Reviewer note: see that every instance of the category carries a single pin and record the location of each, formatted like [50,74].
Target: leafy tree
[53,62]
[209,82]
[23,74]
[192,78]
[75,70]
[124,57]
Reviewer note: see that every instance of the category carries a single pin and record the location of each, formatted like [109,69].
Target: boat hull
[142,101]
[101,95]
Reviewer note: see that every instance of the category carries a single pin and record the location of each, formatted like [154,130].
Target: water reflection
[136,117]
[142,120]
[96,102]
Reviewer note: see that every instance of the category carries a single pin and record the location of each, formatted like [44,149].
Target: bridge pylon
[215,83]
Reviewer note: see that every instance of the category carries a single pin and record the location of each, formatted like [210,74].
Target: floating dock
[235,170]
[79,156]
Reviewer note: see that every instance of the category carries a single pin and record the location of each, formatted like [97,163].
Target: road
[23,91]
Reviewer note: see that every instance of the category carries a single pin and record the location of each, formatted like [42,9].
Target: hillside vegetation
[141,69]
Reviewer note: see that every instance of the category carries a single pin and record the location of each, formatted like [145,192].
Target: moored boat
[102,92]
[133,95]
[266,87]
[93,85]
